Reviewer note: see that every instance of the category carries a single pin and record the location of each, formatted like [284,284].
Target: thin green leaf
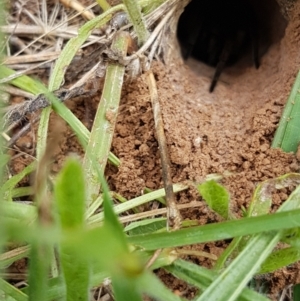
[70,201]
[230,283]
[146,226]
[153,287]
[4,159]
[7,258]
[287,135]
[125,288]
[75,43]
[39,264]
[137,202]
[136,18]
[10,291]
[202,278]
[9,185]
[218,231]
[216,196]
[296,292]
[279,259]
[70,195]
[105,119]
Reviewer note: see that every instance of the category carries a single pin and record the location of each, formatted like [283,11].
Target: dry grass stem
[30,58]
[156,212]
[87,14]
[173,214]
[16,91]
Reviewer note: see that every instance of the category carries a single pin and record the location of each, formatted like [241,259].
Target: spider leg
[255,50]
[221,64]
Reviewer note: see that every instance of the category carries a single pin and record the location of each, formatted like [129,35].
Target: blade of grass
[216,196]
[9,257]
[229,284]
[260,204]
[35,87]
[9,185]
[13,292]
[137,202]
[136,18]
[153,287]
[75,43]
[105,119]
[39,264]
[279,259]
[70,201]
[202,278]
[287,135]
[218,231]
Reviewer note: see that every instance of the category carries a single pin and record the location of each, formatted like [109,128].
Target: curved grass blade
[70,201]
[136,18]
[105,119]
[7,188]
[10,291]
[202,278]
[218,231]
[35,87]
[229,284]
[75,43]
[216,196]
[287,135]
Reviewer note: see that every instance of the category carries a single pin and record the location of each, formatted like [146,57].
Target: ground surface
[225,132]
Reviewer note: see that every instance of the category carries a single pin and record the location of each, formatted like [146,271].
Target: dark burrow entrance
[230,33]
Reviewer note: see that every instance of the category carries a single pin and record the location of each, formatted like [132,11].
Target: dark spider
[218,32]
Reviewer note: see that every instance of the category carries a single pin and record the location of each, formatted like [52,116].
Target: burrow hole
[236,33]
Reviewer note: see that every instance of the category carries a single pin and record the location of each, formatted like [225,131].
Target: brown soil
[228,131]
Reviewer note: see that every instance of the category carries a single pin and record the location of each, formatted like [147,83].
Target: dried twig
[173,214]
[88,14]
[16,113]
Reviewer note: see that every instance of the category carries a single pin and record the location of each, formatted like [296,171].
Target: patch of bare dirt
[229,130]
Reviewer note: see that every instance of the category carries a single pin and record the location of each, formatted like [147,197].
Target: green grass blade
[7,258]
[39,264]
[35,87]
[18,212]
[279,259]
[216,196]
[287,135]
[202,278]
[70,201]
[10,290]
[296,292]
[136,18]
[218,231]
[125,288]
[146,226]
[104,4]
[137,202]
[70,195]
[153,287]
[23,82]
[9,185]
[105,119]
[230,283]
[75,43]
